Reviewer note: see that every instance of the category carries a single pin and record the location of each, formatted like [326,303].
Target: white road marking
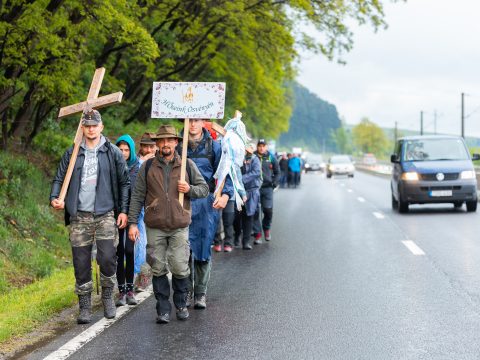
[83,338]
[361,199]
[378,215]
[350,190]
[413,247]
[342,184]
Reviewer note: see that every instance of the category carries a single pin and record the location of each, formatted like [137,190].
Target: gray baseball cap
[91,117]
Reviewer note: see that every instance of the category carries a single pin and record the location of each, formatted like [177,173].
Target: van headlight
[410,176]
[467,174]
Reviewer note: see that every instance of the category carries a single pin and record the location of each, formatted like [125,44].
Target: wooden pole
[92,94]
[183,168]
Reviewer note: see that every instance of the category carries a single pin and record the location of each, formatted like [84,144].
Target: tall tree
[368,137]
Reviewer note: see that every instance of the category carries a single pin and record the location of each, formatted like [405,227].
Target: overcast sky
[424,60]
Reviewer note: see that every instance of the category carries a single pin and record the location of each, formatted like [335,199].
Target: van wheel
[458,204]
[394,203]
[471,206]
[402,206]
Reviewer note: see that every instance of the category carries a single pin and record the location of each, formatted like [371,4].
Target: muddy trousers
[85,229]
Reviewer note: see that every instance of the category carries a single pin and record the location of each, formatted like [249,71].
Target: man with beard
[158,185]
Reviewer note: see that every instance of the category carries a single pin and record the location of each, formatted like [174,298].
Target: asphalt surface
[336,282]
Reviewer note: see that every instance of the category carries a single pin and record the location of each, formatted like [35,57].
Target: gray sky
[424,60]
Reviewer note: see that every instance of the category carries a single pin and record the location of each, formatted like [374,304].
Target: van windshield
[435,149]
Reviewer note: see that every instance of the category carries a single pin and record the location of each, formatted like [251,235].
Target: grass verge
[21,310]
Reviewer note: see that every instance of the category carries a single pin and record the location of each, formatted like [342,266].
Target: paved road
[336,282]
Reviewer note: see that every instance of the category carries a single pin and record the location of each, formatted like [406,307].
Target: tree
[49,50]
[342,140]
[370,138]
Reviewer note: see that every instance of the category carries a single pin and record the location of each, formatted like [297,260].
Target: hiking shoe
[188,299]
[200,301]
[268,237]
[163,319]
[227,248]
[131,298]
[109,309]
[85,306]
[121,299]
[182,314]
[217,248]
[247,247]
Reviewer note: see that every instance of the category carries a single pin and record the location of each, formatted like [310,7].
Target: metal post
[463,115]
[421,122]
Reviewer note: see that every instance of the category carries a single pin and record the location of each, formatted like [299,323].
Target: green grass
[36,276]
[21,310]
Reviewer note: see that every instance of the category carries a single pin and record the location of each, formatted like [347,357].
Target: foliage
[370,138]
[50,48]
[33,240]
[342,140]
[311,122]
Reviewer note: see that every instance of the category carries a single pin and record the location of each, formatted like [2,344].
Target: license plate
[440,193]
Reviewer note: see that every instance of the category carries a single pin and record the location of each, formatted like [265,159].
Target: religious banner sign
[188,100]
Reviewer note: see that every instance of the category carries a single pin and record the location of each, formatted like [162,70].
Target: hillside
[311,122]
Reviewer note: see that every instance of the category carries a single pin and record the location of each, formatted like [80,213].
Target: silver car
[340,165]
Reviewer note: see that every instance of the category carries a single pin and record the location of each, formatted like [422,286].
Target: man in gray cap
[158,186]
[96,205]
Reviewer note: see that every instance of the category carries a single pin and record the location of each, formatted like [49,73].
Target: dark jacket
[159,190]
[283,163]
[112,180]
[208,164]
[270,170]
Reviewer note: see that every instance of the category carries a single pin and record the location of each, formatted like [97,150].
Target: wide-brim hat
[165,132]
[147,138]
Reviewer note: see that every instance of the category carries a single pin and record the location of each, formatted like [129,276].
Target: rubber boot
[109,309]
[85,305]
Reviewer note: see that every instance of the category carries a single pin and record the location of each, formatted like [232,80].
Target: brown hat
[147,138]
[165,132]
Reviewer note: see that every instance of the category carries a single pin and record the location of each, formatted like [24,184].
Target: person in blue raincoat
[206,154]
[252,180]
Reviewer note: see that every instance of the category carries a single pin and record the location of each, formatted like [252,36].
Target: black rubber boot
[109,308]
[85,305]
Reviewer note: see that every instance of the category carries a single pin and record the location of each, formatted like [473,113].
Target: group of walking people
[127,203]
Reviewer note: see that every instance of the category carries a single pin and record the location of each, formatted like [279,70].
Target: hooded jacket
[113,182]
[133,161]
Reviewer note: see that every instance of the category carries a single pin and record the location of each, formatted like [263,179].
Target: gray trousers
[199,277]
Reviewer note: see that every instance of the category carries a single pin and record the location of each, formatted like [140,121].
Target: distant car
[314,163]
[433,169]
[340,165]
[369,160]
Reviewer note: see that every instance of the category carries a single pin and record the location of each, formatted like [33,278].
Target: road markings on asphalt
[361,199]
[342,184]
[83,338]
[413,247]
[378,215]
[350,190]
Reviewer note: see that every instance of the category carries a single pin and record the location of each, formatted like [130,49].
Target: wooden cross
[94,102]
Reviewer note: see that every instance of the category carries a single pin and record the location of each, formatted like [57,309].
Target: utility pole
[421,122]
[435,122]
[463,115]
[396,132]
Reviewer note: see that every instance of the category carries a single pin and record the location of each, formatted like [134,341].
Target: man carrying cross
[96,205]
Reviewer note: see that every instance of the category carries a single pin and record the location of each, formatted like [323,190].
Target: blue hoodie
[132,162]
[131,144]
